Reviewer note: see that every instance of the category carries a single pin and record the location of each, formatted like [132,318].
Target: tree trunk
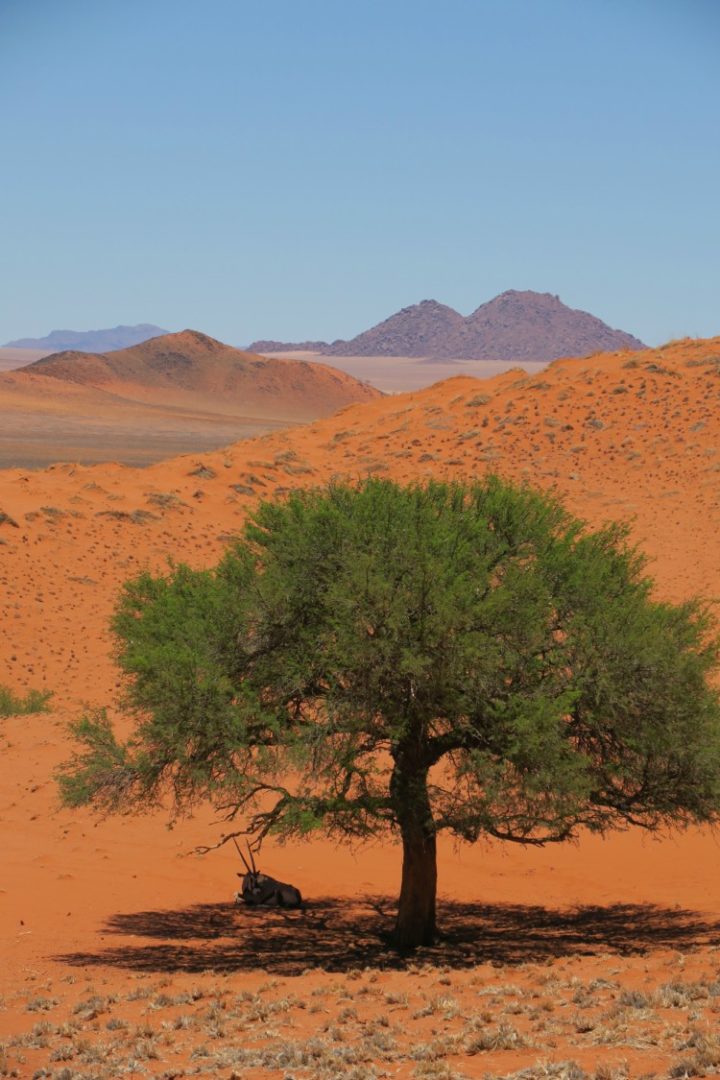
[415,923]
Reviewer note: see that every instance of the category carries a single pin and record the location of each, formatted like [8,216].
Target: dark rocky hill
[534,326]
[513,326]
[419,330]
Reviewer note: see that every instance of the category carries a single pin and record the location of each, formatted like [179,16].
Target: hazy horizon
[101,330]
[302,172]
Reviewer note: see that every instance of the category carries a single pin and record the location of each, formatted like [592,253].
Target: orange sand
[631,435]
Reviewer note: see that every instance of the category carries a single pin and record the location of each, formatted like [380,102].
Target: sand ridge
[625,435]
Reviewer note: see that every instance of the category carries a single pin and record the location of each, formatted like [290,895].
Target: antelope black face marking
[261,890]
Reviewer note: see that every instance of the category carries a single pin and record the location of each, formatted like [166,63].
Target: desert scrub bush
[706,1046]
[145,1050]
[36,701]
[437,1070]
[634,999]
[37,1039]
[395,997]
[187,1020]
[41,1004]
[116,1023]
[582,1025]
[92,1007]
[498,991]
[376,1041]
[504,1037]
[557,1070]
[440,1047]
[612,1072]
[443,1003]
[680,995]
[63,1053]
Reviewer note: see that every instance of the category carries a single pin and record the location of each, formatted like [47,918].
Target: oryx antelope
[260,890]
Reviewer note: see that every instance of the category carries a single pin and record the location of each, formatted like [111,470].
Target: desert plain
[123,953]
[166,396]
[11,358]
[398,374]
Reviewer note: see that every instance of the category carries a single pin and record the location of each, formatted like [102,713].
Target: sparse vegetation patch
[35,701]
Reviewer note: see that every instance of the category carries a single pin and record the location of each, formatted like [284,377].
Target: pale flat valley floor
[37,434]
[399,374]
[16,358]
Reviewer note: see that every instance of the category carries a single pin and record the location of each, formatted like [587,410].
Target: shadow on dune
[336,935]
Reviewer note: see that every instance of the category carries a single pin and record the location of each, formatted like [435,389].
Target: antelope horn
[252,858]
[239,851]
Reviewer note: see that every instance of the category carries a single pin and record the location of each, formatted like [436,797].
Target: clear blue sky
[303,168]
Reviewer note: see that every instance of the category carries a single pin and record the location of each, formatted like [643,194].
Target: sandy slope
[157,399]
[619,436]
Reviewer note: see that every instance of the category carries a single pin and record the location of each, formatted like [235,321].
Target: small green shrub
[12,705]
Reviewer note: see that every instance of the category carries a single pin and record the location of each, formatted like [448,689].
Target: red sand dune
[625,435]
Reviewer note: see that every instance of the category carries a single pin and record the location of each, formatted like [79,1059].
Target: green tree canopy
[412,659]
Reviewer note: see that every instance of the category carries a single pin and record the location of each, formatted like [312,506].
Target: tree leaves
[358,633]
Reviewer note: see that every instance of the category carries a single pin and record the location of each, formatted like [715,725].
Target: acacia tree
[462,658]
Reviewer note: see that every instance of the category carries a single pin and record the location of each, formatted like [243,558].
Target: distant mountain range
[513,326]
[119,337]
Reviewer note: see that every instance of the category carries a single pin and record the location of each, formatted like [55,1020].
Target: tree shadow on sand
[337,935]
